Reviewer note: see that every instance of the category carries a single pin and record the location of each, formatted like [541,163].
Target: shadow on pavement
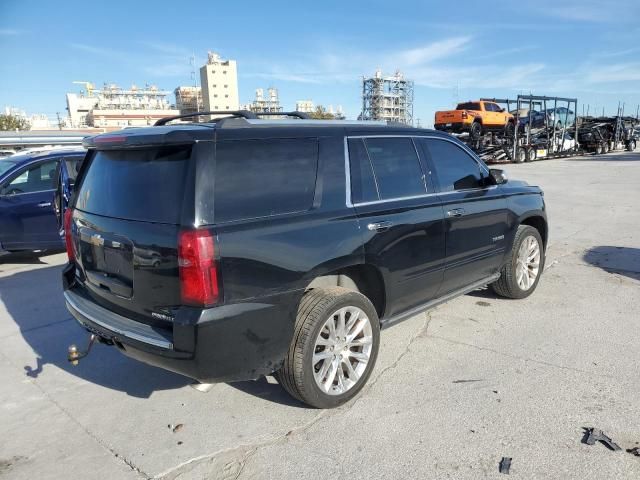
[34,302]
[619,260]
[612,157]
[27,257]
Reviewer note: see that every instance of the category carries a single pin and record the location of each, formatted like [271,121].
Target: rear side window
[456,169]
[260,178]
[363,183]
[146,185]
[396,167]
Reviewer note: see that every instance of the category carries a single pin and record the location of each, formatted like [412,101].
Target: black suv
[245,247]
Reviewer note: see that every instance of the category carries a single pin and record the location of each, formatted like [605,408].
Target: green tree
[321,114]
[11,122]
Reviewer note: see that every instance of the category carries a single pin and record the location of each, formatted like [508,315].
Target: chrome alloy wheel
[342,350]
[528,263]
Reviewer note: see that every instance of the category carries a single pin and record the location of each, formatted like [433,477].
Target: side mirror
[498,176]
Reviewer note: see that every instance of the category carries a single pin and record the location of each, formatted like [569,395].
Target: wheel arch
[363,278]
[538,222]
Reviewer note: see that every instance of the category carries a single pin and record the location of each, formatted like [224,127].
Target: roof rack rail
[232,113]
[297,114]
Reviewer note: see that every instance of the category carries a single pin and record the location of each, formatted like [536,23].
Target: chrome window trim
[347,166]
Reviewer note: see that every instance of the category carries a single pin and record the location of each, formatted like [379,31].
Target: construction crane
[88,87]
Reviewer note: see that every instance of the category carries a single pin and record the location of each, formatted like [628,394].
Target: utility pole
[59,121]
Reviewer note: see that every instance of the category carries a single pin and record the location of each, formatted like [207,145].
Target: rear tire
[605,148]
[598,150]
[530,154]
[521,155]
[631,146]
[519,277]
[475,130]
[325,365]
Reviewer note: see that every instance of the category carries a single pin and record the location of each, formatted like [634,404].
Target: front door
[475,215]
[401,220]
[27,218]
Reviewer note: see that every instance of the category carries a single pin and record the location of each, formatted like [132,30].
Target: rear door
[401,219]
[128,209]
[475,214]
[26,209]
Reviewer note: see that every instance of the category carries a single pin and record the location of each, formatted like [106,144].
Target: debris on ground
[505,465]
[468,381]
[175,428]
[593,435]
[634,451]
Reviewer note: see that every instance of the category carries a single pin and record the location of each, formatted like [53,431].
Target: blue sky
[455,50]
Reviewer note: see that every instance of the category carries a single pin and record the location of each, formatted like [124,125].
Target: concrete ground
[453,392]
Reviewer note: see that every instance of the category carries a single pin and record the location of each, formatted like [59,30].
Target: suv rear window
[260,178]
[146,185]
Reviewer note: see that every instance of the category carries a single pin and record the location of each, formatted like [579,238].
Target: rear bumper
[242,341]
[457,127]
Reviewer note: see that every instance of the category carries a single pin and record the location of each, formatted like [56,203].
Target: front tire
[519,277]
[334,347]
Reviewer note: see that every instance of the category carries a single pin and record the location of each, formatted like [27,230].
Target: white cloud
[10,31]
[433,51]
[107,52]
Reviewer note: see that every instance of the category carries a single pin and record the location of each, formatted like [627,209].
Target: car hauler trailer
[546,128]
[601,135]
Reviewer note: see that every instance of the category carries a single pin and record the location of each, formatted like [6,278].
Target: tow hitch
[74,355]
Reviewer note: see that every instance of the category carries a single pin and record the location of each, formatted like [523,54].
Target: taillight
[68,240]
[198,269]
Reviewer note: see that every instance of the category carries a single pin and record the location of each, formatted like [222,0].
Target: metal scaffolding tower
[387,98]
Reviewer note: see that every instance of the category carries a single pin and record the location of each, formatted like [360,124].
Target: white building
[219,80]
[117,107]
[305,106]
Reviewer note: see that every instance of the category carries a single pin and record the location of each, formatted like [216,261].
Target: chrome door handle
[380,226]
[456,212]
[44,204]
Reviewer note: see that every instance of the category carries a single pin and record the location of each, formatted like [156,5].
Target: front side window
[455,168]
[396,167]
[38,178]
[261,178]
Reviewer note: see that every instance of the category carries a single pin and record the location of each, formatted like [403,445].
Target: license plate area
[107,260]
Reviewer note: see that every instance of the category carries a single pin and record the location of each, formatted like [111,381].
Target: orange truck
[476,118]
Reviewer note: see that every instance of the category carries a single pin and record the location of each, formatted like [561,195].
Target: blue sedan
[27,186]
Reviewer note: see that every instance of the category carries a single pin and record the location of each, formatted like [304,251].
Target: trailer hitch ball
[74,355]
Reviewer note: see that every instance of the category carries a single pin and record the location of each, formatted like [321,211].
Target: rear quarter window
[262,178]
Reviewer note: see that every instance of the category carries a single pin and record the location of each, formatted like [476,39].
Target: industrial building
[219,81]
[113,106]
[306,106]
[387,98]
[265,104]
[188,100]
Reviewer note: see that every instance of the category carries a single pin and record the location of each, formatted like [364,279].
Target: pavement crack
[229,463]
[518,357]
[92,435]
